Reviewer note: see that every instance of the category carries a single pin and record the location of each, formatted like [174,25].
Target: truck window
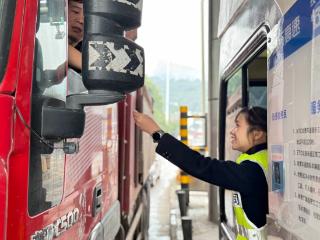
[46,168]
[7,9]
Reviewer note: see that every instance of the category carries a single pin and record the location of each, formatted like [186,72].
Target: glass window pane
[234,104]
[196,132]
[1,9]
[258,96]
[46,171]
[234,91]
[257,77]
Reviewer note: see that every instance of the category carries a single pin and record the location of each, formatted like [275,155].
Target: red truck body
[104,169]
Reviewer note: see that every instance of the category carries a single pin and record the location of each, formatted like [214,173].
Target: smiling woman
[246,177]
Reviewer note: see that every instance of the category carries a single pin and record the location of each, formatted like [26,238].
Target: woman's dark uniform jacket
[246,178]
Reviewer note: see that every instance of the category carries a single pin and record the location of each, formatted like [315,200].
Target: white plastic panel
[294,120]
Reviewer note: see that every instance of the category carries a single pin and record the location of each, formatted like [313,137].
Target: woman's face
[240,139]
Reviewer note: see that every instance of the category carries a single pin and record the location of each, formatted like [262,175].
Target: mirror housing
[125,13]
[94,98]
[55,122]
[79,96]
[110,61]
[113,63]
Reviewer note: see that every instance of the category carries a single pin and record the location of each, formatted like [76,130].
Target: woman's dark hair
[256,118]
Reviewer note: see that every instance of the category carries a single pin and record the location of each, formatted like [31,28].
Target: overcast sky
[171,31]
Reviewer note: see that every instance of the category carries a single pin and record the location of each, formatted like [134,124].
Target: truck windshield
[7,9]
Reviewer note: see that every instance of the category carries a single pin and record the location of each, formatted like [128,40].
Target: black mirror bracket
[67,147]
[70,147]
[93,98]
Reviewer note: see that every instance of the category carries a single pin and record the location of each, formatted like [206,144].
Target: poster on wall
[294,119]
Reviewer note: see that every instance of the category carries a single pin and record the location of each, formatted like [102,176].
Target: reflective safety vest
[246,230]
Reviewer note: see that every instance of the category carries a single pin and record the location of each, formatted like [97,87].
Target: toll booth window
[46,168]
[234,91]
[247,87]
[257,78]
[233,106]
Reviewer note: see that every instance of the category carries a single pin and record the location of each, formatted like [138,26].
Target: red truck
[72,163]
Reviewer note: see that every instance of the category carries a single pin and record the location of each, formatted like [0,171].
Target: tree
[158,107]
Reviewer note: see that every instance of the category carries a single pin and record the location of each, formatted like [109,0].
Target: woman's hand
[145,123]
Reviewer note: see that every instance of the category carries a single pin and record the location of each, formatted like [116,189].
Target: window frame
[251,49]
[6,26]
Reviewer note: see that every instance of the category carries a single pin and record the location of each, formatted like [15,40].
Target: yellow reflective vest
[246,230]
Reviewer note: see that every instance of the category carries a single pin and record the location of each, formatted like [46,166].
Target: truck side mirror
[55,122]
[111,64]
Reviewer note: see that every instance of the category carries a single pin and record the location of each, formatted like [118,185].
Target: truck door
[6,134]
[36,169]
[7,87]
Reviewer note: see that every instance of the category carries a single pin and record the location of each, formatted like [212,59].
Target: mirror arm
[94,98]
